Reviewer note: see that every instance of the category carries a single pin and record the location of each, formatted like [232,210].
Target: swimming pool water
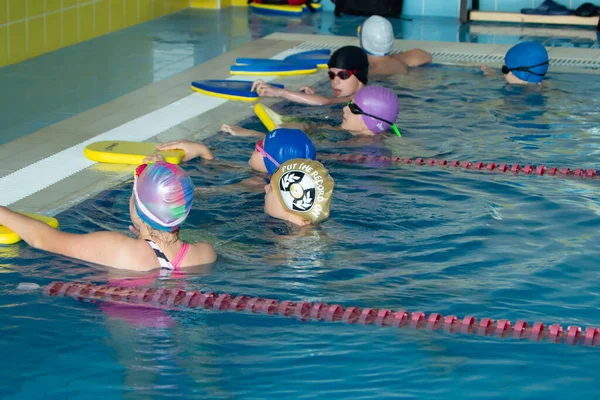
[417,238]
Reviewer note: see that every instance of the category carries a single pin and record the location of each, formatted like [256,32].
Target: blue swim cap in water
[527,61]
[284,144]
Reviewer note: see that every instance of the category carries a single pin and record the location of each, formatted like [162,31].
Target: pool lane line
[52,169]
[178,299]
[515,169]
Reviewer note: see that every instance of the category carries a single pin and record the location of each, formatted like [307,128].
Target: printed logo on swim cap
[297,191]
[304,188]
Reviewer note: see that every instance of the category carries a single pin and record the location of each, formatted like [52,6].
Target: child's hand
[152,158]
[239,131]
[487,71]
[265,90]
[307,90]
[191,149]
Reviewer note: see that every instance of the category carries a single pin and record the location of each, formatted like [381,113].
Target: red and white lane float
[305,311]
[515,169]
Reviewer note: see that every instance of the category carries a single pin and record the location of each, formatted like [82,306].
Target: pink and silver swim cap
[163,195]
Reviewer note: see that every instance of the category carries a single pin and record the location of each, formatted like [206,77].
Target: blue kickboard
[272,67]
[276,11]
[301,64]
[316,56]
[229,87]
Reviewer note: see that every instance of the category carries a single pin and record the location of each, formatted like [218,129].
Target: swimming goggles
[356,110]
[506,70]
[343,74]
[261,149]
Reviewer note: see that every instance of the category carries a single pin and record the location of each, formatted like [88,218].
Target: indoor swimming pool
[419,238]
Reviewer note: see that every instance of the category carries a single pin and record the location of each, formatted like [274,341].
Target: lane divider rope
[528,169]
[305,311]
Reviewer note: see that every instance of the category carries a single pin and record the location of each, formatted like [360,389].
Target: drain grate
[439,56]
[316,46]
[449,57]
[442,56]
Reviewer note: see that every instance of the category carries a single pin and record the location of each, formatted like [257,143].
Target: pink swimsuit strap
[180,256]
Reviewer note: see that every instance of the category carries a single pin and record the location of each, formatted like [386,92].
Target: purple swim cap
[380,102]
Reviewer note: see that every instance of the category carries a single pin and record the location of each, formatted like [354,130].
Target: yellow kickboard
[268,117]
[9,237]
[123,152]
[284,9]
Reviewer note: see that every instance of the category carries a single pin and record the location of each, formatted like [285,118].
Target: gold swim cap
[304,188]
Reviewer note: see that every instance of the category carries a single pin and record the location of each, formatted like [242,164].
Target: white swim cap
[376,36]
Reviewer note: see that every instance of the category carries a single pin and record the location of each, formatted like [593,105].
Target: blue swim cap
[527,61]
[284,144]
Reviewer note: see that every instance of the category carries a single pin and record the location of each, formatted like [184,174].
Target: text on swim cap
[317,181]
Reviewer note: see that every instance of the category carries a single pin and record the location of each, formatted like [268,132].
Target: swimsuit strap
[162,258]
[180,256]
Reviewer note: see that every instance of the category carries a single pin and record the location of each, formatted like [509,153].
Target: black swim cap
[351,58]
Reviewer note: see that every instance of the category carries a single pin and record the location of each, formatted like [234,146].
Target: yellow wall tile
[47,25]
[52,5]
[53,31]
[204,3]
[17,43]
[158,8]
[35,8]
[101,17]
[3,46]
[145,10]
[170,6]
[16,10]
[174,5]
[117,20]
[86,22]
[35,37]
[2,13]
[131,12]
[70,31]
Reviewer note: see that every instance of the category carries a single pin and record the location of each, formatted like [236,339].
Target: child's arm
[253,184]
[239,131]
[414,57]
[191,149]
[308,97]
[98,247]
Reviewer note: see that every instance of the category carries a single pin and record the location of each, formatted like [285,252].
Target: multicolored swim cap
[351,58]
[527,61]
[163,195]
[380,102]
[376,36]
[284,144]
[304,188]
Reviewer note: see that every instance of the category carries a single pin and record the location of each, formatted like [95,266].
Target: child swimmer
[371,111]
[160,202]
[348,71]
[525,63]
